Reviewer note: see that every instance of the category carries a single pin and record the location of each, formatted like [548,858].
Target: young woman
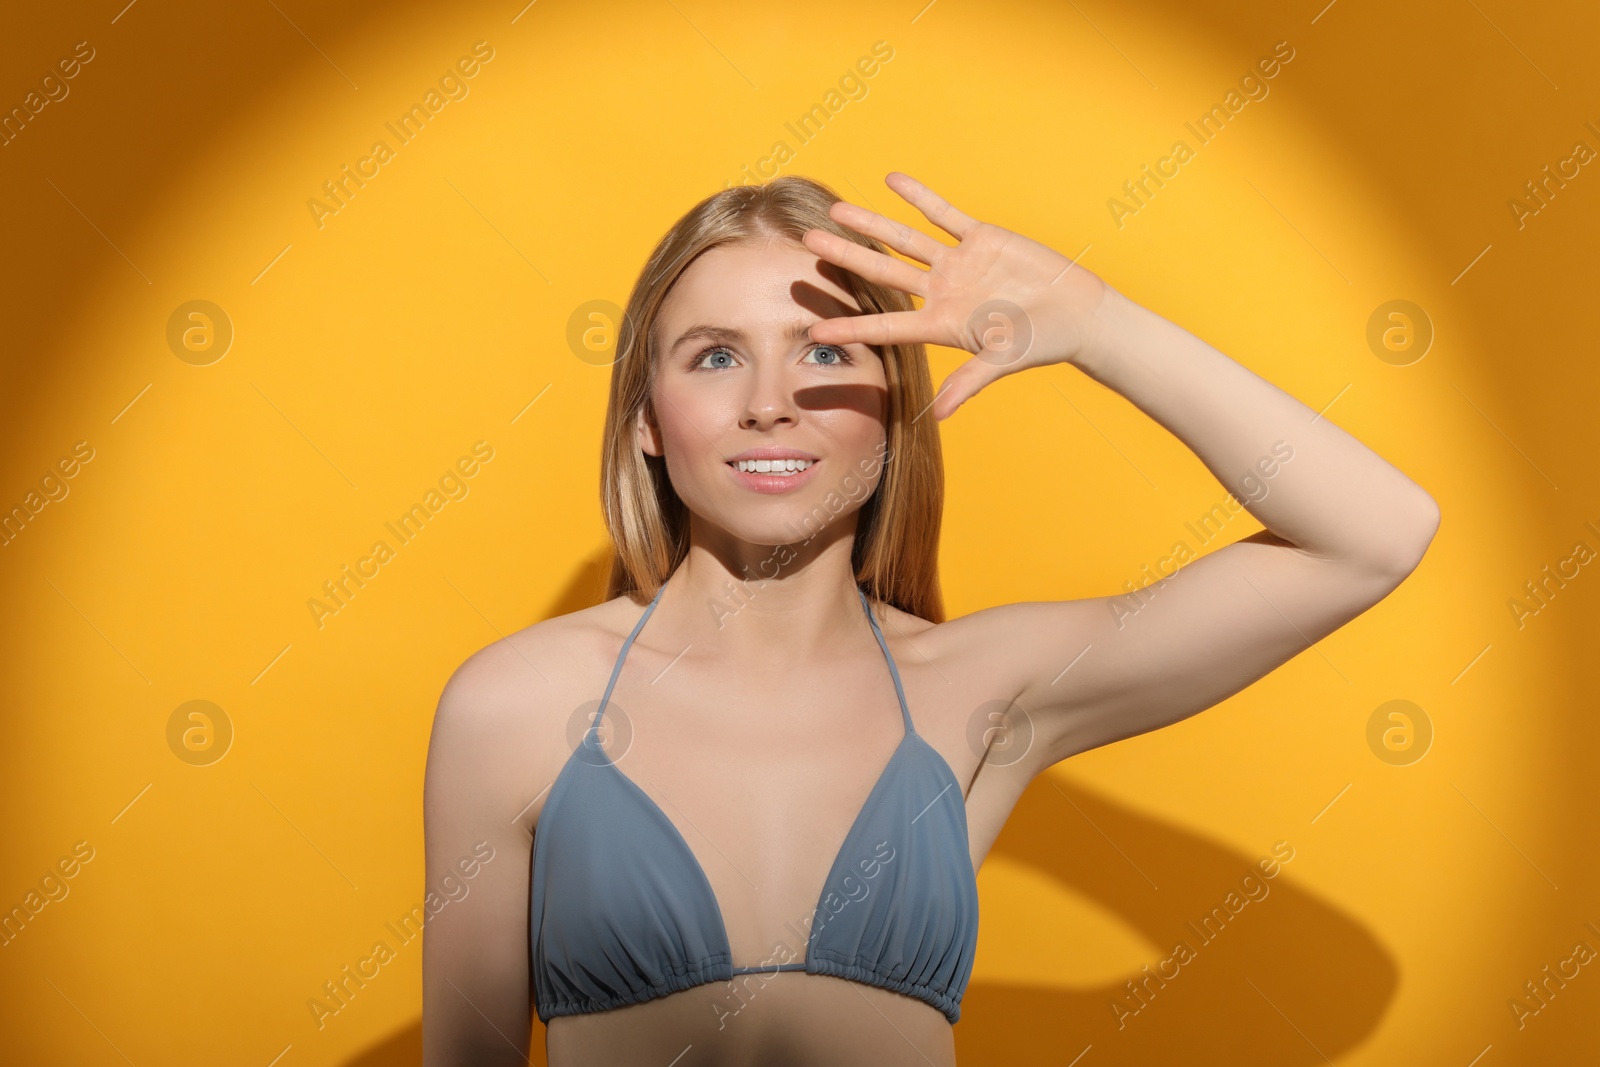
[735,811]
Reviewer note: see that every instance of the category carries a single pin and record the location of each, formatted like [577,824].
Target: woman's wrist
[1103,332]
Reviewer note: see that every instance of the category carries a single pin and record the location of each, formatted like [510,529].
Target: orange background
[432,311]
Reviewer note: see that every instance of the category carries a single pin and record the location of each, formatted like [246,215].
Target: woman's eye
[717,353]
[840,356]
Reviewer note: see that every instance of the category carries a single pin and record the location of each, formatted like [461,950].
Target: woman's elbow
[1411,538]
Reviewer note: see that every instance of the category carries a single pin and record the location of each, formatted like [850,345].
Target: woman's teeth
[772,466]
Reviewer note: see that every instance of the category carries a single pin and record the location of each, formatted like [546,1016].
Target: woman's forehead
[757,283]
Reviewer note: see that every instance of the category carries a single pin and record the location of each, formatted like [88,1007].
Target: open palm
[1010,300]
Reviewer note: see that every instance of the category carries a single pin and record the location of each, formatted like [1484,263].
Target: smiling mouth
[777,467]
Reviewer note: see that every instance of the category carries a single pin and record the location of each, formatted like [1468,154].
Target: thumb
[964,383]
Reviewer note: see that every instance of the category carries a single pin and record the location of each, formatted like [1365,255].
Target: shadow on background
[1288,980]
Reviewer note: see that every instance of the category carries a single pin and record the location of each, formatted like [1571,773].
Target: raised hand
[1011,301]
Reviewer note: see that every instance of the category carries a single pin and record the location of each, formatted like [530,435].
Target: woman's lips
[772,483]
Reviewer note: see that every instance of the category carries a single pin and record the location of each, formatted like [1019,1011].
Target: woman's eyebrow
[705,332]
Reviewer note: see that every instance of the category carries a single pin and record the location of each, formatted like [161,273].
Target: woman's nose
[770,398]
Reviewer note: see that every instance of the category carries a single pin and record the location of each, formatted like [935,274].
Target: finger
[885,328]
[865,262]
[934,207]
[962,384]
[907,240]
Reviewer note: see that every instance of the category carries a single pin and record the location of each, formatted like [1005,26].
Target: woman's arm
[475,981]
[1343,527]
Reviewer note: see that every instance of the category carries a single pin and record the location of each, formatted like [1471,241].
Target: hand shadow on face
[865,398]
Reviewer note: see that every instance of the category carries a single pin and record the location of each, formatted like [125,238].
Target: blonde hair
[895,553]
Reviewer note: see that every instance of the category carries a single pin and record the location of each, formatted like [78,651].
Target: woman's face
[737,377]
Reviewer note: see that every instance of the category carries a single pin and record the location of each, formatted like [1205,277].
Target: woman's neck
[757,600]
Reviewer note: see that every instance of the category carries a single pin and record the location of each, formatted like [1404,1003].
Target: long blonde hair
[895,554]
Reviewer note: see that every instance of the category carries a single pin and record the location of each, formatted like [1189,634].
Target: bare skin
[760,733]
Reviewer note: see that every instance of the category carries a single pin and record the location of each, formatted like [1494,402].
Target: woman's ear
[647,432]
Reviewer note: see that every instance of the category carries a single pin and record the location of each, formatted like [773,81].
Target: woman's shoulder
[546,658]
[524,686]
[505,716]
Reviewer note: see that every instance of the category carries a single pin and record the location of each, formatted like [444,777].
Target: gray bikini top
[622,911]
